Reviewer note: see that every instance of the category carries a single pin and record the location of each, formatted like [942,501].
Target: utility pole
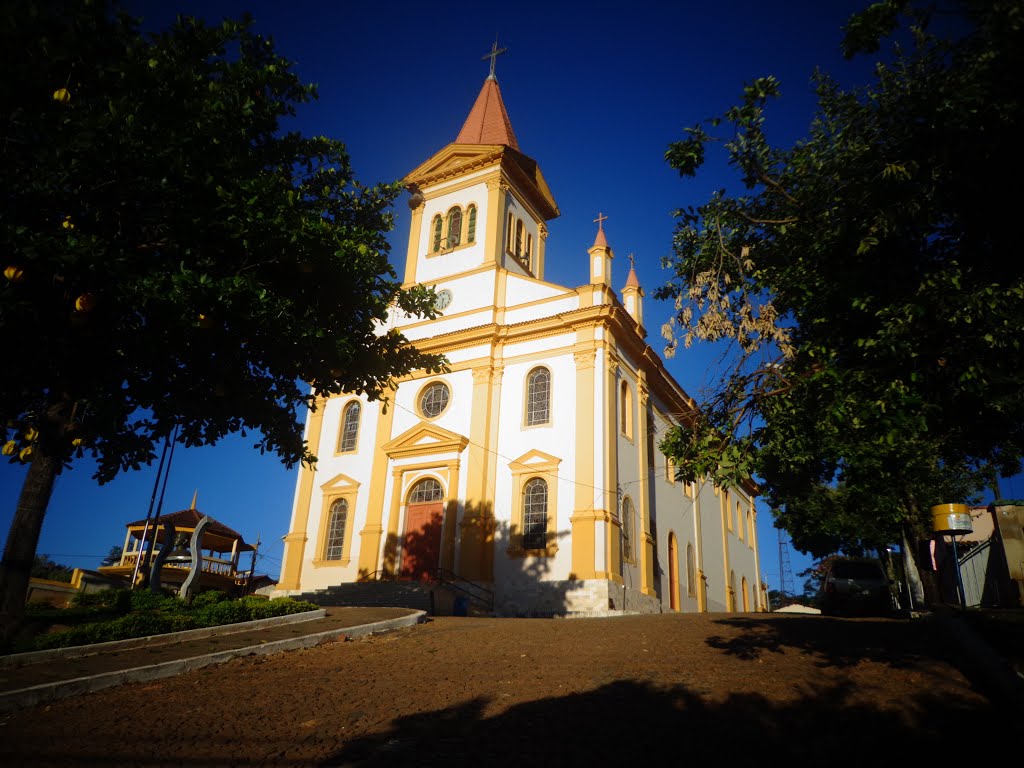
[252,566]
[785,571]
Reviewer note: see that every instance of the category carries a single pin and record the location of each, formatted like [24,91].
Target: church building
[531,466]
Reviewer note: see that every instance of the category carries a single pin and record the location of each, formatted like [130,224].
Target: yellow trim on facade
[412,251]
[370,536]
[295,540]
[583,520]
[645,470]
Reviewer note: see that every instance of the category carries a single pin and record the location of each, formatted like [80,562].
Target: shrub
[155,614]
[210,597]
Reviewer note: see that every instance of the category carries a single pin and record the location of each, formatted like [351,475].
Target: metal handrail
[481,595]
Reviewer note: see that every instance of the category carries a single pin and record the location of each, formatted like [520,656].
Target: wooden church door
[421,545]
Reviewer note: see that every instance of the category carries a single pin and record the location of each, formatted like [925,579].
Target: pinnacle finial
[194,497]
[494,54]
[601,218]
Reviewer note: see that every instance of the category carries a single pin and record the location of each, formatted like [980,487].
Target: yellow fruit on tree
[62,96]
[14,273]
[86,302]
[9,448]
[76,442]
[25,453]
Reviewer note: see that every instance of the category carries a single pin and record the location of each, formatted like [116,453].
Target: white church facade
[530,467]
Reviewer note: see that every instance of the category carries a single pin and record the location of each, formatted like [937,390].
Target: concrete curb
[40,694]
[76,652]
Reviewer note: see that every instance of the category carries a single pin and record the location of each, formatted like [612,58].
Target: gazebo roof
[217,536]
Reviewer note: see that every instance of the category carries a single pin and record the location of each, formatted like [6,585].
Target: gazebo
[221,548]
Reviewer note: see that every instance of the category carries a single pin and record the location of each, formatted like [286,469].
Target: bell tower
[478,202]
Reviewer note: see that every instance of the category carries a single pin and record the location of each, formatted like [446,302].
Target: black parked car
[855,586]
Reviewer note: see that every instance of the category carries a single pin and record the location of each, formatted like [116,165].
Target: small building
[222,549]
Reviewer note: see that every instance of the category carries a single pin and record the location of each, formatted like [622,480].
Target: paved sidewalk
[55,674]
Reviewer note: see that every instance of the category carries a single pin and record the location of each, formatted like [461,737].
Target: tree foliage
[865,275]
[171,256]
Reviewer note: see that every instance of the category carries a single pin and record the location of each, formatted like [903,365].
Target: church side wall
[530,580]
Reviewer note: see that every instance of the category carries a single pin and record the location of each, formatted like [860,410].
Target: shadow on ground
[627,722]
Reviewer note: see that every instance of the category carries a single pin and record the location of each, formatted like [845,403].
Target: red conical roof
[488,121]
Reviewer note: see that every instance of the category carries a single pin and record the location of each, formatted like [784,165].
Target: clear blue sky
[595,92]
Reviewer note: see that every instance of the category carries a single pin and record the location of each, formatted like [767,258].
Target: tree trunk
[23,537]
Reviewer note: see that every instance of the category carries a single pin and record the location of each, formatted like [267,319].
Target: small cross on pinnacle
[495,53]
[632,263]
[601,218]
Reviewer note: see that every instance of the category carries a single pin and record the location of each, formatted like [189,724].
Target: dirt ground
[461,691]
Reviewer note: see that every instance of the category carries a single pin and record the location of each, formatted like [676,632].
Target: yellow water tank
[951,518]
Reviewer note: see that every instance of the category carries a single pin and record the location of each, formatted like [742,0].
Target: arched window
[739,521]
[652,428]
[628,518]
[336,530]
[750,529]
[626,410]
[454,227]
[746,596]
[519,239]
[732,590]
[426,490]
[529,247]
[535,514]
[471,231]
[434,399]
[349,427]
[691,571]
[538,397]
[437,233]
[511,233]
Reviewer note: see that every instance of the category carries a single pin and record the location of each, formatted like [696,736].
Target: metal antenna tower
[785,570]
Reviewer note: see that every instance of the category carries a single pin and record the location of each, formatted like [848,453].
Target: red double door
[421,547]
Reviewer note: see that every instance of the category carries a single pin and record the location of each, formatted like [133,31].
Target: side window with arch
[471,230]
[628,523]
[454,236]
[349,427]
[535,514]
[519,239]
[437,233]
[538,397]
[334,547]
[626,410]
[691,571]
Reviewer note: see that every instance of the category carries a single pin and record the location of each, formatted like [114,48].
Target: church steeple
[633,294]
[601,256]
[488,121]
[479,201]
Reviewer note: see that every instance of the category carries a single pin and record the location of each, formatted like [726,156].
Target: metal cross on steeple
[600,219]
[495,53]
